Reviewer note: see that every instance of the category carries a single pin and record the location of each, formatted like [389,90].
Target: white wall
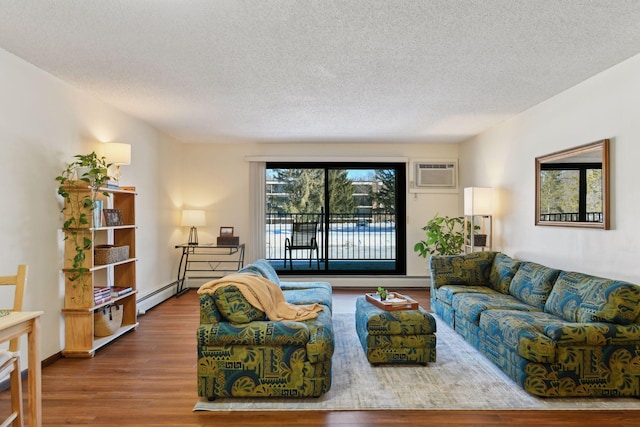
[43,123]
[217,180]
[605,106]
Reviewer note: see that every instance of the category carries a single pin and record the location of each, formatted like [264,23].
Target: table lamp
[117,154]
[193,218]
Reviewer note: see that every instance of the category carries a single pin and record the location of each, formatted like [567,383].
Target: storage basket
[108,254]
[107,320]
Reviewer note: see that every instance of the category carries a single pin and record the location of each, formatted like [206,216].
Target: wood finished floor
[147,378]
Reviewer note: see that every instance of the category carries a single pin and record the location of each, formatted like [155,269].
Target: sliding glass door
[336,218]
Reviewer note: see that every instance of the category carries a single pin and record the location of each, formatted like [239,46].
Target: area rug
[461,378]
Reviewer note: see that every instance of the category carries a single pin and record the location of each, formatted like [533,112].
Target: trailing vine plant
[91,172]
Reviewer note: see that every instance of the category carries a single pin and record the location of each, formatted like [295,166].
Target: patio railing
[571,217]
[350,236]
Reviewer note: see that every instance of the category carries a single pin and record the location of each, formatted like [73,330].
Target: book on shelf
[112,184]
[101,300]
[101,295]
[118,291]
[100,291]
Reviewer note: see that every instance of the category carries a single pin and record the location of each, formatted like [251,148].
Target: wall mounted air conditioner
[436,174]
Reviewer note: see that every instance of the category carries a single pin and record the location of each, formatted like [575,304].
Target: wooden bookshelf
[79,306]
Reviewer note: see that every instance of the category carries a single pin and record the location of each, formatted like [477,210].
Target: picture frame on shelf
[112,217]
[226,231]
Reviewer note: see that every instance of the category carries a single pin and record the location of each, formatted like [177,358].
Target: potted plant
[444,236]
[479,239]
[89,170]
[383,293]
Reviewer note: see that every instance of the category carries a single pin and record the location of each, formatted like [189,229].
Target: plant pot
[479,240]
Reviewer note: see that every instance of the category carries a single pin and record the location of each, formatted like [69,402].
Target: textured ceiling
[352,70]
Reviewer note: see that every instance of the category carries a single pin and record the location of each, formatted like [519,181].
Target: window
[359,209]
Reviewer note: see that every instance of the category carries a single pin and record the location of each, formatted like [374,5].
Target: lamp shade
[192,218]
[478,201]
[118,153]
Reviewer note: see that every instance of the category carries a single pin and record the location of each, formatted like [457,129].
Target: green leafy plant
[383,293]
[78,185]
[444,236]
[476,228]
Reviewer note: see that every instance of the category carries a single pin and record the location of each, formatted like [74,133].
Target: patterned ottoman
[403,336]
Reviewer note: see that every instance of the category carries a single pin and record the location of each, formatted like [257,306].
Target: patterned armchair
[241,353]
[556,333]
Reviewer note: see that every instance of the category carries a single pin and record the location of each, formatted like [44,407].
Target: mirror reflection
[572,187]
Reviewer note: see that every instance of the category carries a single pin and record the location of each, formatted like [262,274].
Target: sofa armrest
[596,333]
[321,340]
[209,313]
[265,333]
[471,269]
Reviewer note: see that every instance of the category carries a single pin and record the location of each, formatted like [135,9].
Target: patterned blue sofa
[241,353]
[556,333]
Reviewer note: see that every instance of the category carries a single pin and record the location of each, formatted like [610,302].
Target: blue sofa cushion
[308,296]
[579,297]
[610,301]
[471,306]
[532,283]
[502,271]
[262,268]
[469,269]
[234,307]
[522,331]
[447,292]
[566,296]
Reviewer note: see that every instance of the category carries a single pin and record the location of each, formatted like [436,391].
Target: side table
[209,261]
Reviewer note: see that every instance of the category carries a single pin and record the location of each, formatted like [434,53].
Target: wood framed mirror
[572,187]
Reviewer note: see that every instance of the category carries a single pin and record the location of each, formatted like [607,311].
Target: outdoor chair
[303,237]
[10,359]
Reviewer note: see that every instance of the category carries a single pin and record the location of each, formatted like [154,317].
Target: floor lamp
[478,201]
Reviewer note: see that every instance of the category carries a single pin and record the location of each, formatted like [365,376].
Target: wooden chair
[303,236]
[10,359]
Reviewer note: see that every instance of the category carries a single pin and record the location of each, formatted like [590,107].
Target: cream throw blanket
[264,295]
